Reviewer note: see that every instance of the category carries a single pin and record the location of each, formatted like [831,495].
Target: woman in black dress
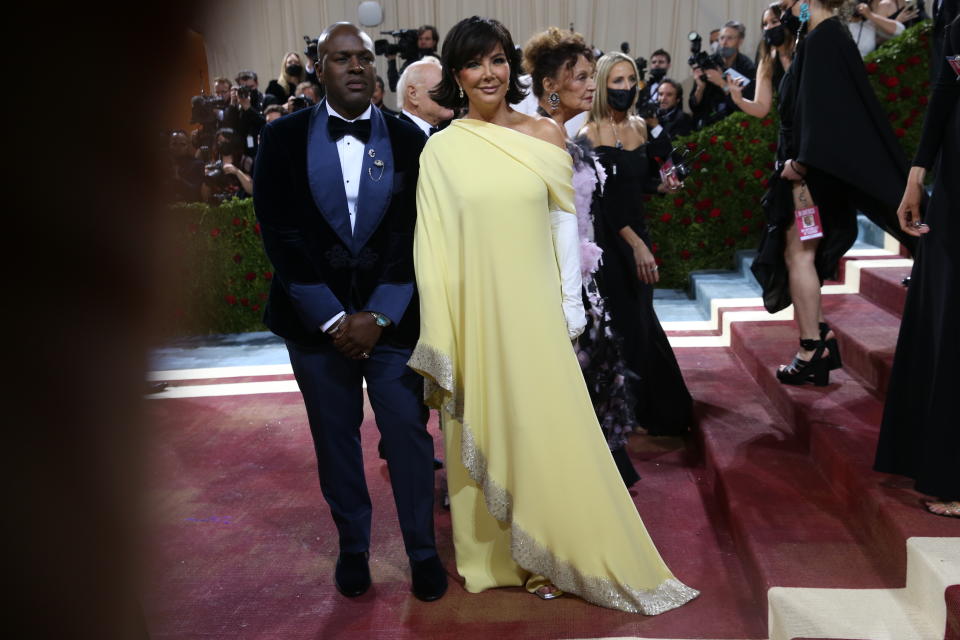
[919,437]
[837,153]
[629,269]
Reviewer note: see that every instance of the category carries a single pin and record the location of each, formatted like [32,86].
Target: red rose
[899,132]
[872,67]
[237,222]
[906,92]
[728,145]
[901,68]
[214,232]
[237,258]
[703,205]
[729,242]
[891,97]
[654,247]
[702,244]
[729,166]
[262,296]
[764,182]
[758,173]
[715,213]
[913,60]
[744,123]
[713,139]
[666,217]
[698,219]
[255,307]
[906,124]
[245,301]
[772,146]
[923,100]
[706,157]
[256,228]
[745,229]
[230,299]
[741,184]
[697,165]
[678,202]
[685,255]
[691,145]
[747,214]
[268,275]
[659,261]
[755,141]
[766,122]
[685,221]
[891,81]
[250,276]
[747,160]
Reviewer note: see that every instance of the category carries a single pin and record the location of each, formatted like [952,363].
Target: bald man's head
[337,27]
[345,65]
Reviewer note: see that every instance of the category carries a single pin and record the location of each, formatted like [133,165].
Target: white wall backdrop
[254,34]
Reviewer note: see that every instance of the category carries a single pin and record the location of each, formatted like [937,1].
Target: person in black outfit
[919,437]
[336,202]
[427,40]
[629,269]
[839,160]
[943,11]
[671,115]
[774,58]
[186,171]
[245,118]
[710,99]
[292,73]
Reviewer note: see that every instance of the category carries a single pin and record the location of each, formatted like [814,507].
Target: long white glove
[566,246]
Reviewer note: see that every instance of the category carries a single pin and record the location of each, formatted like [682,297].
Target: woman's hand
[670,184]
[229,169]
[736,90]
[714,76]
[908,14]
[909,211]
[647,270]
[863,10]
[793,170]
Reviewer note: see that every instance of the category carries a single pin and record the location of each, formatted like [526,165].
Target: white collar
[363,116]
[420,122]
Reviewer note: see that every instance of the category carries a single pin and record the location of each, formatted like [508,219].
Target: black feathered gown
[832,123]
[920,433]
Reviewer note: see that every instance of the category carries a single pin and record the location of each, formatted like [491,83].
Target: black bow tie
[432,131]
[338,127]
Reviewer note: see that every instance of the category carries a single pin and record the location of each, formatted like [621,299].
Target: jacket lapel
[376,181]
[326,176]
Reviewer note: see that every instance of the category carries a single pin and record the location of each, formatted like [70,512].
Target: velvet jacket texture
[320,266]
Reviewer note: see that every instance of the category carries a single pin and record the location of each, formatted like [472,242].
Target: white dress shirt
[420,122]
[350,150]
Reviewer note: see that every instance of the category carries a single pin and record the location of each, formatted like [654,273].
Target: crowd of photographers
[214,162]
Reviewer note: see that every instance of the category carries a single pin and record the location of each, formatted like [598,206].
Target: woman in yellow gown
[535,496]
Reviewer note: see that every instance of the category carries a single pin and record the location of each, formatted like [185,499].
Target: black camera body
[641,63]
[700,58]
[311,48]
[407,45]
[648,109]
[299,102]
[204,108]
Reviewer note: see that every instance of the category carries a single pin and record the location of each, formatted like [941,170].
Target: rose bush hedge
[719,213]
[225,276]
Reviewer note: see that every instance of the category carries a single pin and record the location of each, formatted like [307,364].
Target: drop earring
[460,91]
[554,100]
[805,12]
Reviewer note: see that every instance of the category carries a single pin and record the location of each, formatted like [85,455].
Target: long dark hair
[766,51]
[469,39]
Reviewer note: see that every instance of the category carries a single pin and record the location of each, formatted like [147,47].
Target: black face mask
[621,99]
[774,36]
[294,70]
[790,22]
[727,52]
[656,75]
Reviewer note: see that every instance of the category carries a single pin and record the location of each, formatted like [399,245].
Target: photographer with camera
[186,172]
[243,115]
[710,100]
[412,45]
[248,79]
[671,115]
[292,73]
[229,175]
[209,112]
[659,68]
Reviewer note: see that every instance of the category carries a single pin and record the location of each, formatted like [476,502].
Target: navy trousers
[332,388]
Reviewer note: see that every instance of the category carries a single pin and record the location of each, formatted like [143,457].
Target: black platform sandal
[833,349]
[815,370]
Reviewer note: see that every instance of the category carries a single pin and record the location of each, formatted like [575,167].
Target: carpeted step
[867,335]
[787,523]
[883,287]
[952,598]
[840,423]
[916,611]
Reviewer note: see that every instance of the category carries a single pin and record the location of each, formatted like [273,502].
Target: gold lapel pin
[372,153]
[378,164]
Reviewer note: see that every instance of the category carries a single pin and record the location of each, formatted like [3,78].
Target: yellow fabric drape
[533,488]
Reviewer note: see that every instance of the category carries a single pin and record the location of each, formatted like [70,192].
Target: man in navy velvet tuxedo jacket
[335,195]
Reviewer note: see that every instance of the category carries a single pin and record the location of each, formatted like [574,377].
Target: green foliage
[719,213]
[224,273]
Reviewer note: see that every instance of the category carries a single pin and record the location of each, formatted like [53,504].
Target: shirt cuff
[329,323]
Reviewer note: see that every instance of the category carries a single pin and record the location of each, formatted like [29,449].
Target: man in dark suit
[335,196]
[671,115]
[413,95]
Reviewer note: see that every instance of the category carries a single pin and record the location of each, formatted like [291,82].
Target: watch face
[382,321]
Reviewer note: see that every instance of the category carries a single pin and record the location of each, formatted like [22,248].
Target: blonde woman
[292,73]
[629,270]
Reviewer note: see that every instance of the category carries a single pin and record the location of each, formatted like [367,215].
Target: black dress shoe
[352,575]
[429,579]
